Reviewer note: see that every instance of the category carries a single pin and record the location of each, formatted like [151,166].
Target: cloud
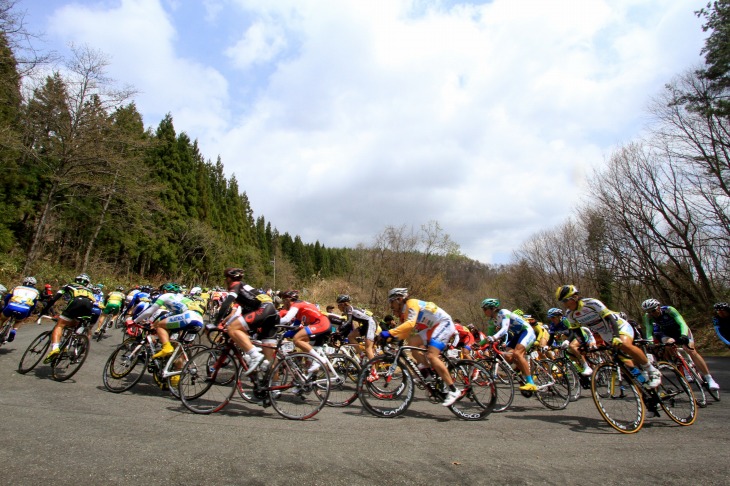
[482,116]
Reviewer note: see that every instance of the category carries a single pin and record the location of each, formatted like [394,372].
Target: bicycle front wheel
[343,386]
[617,398]
[571,373]
[385,392]
[675,395]
[301,385]
[72,358]
[125,367]
[173,378]
[503,382]
[478,393]
[553,388]
[695,381]
[208,381]
[35,352]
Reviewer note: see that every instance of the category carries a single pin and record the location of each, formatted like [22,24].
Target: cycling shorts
[261,322]
[689,336]
[367,330]
[525,338]
[439,335]
[17,310]
[112,308]
[624,329]
[322,324]
[187,321]
[78,308]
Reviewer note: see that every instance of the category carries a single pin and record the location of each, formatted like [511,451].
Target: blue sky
[340,117]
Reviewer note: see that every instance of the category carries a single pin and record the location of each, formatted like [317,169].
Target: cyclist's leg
[701,365]
[438,339]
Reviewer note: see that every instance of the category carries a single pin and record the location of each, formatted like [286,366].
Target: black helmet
[343,298]
[722,306]
[83,279]
[235,274]
[290,294]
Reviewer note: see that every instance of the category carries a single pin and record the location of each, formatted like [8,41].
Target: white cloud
[483,117]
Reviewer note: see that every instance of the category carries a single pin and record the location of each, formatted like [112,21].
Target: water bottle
[638,375]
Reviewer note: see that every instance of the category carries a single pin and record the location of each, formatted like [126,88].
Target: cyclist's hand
[616,341]
[683,340]
[385,335]
[490,339]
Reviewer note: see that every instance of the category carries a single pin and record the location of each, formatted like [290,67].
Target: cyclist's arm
[683,328]
[290,315]
[716,323]
[223,309]
[148,312]
[648,327]
[402,331]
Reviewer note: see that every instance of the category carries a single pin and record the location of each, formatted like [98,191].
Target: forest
[84,186]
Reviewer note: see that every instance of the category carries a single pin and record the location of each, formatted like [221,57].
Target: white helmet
[397,292]
[650,304]
[29,281]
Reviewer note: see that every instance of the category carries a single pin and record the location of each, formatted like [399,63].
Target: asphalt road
[78,433]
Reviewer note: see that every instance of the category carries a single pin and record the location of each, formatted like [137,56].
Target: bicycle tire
[696,382]
[7,327]
[675,395]
[35,352]
[573,377]
[295,398]
[125,367]
[343,387]
[205,384]
[188,351]
[478,393]
[553,388]
[386,397]
[618,400]
[715,394]
[503,382]
[71,359]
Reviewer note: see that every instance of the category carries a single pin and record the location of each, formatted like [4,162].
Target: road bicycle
[5,331]
[296,385]
[622,399]
[386,385]
[680,358]
[74,346]
[128,363]
[107,322]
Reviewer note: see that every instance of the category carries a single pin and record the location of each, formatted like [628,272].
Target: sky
[341,117]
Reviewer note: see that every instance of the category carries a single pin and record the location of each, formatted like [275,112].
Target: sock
[528,379]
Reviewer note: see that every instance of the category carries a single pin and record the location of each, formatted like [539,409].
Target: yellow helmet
[565,292]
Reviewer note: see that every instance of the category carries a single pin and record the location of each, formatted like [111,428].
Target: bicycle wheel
[384,393]
[102,328]
[125,367]
[302,386]
[208,381]
[71,358]
[617,398]
[675,395]
[553,388]
[696,383]
[35,352]
[343,386]
[180,361]
[573,378]
[478,393]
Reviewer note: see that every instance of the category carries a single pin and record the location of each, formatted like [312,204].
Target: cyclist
[143,294]
[721,321]
[576,337]
[313,321]
[19,303]
[358,322]
[520,336]
[256,313]
[184,314]
[98,303]
[433,327]
[593,314]
[665,323]
[80,303]
[113,304]
[463,339]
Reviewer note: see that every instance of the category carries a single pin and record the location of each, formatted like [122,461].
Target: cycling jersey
[669,323]
[311,317]
[257,310]
[113,303]
[594,315]
[366,325]
[184,313]
[80,301]
[432,323]
[508,322]
[20,301]
[463,337]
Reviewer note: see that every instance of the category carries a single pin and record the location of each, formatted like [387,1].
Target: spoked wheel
[343,386]
[383,392]
[696,383]
[304,386]
[105,324]
[617,398]
[675,395]
[573,378]
[125,367]
[503,382]
[208,381]
[553,387]
[478,393]
[72,358]
[174,380]
[35,352]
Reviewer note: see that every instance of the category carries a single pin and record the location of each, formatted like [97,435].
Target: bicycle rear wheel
[553,388]
[695,381]
[503,382]
[617,398]
[174,379]
[35,352]
[303,386]
[208,381]
[72,358]
[381,394]
[478,393]
[125,367]
[343,386]
[675,395]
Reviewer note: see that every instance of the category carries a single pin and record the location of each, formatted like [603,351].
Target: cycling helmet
[554,312]
[722,306]
[343,298]
[96,290]
[490,303]
[650,304]
[290,294]
[565,292]
[170,287]
[29,281]
[101,286]
[519,312]
[397,292]
[234,274]
[471,327]
[83,279]
[120,289]
[47,286]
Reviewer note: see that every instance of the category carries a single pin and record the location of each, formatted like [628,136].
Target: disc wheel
[617,398]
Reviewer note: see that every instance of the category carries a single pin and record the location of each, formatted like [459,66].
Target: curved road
[78,433]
